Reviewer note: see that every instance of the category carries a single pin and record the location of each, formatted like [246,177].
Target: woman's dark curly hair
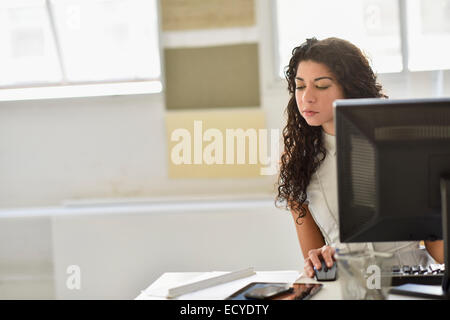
[303,145]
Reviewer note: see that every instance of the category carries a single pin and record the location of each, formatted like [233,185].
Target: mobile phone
[268,291]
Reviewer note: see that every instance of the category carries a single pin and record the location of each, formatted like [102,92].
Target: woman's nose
[308,96]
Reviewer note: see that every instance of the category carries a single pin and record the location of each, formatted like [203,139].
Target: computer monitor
[393,169]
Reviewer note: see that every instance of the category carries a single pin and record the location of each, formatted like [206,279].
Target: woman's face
[316,89]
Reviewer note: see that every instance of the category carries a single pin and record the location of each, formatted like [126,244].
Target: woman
[320,72]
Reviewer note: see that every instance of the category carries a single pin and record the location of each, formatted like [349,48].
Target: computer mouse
[325,273]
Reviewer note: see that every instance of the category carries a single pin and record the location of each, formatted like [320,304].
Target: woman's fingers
[327,254]
[309,271]
[313,255]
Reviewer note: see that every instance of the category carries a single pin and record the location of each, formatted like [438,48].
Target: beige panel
[206,14]
[212,77]
[199,124]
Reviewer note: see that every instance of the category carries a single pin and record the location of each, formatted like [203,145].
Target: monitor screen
[390,157]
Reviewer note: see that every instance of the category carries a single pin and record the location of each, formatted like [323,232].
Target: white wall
[121,254]
[115,147]
[26,258]
[104,147]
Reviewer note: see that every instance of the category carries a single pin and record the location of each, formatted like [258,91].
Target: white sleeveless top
[323,205]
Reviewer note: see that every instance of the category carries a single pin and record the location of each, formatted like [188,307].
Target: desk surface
[330,290]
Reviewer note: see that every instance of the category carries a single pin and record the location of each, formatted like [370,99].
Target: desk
[330,290]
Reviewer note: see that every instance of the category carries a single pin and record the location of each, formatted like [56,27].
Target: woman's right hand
[326,253]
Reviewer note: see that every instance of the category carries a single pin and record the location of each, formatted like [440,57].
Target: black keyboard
[431,275]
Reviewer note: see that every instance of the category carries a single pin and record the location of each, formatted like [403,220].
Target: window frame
[437,76]
[66,88]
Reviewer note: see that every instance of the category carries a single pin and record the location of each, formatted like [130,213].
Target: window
[64,42]
[428,34]
[28,54]
[373,25]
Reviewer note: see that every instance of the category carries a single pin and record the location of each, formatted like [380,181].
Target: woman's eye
[318,87]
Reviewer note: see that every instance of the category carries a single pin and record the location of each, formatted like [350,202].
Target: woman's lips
[309,113]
